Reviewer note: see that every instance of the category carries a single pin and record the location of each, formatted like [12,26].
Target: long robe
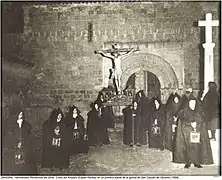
[76,133]
[156,132]
[95,128]
[143,105]
[108,114]
[169,136]
[102,115]
[132,126]
[104,130]
[185,151]
[55,153]
[127,131]
[27,163]
[211,105]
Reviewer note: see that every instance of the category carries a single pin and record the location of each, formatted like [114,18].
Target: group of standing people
[144,122]
[62,136]
[181,125]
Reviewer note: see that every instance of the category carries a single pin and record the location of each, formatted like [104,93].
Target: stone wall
[67,35]
[15,71]
[61,40]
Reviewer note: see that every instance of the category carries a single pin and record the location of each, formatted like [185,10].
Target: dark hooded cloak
[185,151]
[184,101]
[107,111]
[143,105]
[19,155]
[103,126]
[95,126]
[211,105]
[55,142]
[171,121]
[77,131]
[156,131]
[133,129]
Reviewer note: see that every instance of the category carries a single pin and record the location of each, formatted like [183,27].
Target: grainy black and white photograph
[100,88]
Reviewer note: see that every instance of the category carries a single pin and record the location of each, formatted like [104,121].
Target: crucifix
[208,49]
[116,54]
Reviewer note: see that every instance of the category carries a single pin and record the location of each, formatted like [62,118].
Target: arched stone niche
[152,63]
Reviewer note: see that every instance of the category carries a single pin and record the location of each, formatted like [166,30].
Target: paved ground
[118,159]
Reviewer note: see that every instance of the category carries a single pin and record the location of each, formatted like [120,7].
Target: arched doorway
[146,81]
[152,63]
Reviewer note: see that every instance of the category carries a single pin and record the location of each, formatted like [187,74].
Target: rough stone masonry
[60,40]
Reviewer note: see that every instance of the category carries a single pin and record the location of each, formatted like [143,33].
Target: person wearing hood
[95,125]
[103,125]
[55,142]
[19,156]
[211,104]
[107,111]
[192,144]
[172,106]
[143,105]
[132,132]
[184,100]
[75,125]
[157,124]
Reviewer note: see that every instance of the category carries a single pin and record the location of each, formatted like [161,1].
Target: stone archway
[152,63]
[146,81]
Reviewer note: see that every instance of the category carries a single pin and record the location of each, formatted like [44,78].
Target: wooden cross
[208,49]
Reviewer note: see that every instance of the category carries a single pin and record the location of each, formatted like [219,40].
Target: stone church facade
[60,40]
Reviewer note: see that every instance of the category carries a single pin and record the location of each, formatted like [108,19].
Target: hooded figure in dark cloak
[211,105]
[55,142]
[107,111]
[19,154]
[184,99]
[132,133]
[103,126]
[157,124]
[192,144]
[172,106]
[75,125]
[143,105]
[96,130]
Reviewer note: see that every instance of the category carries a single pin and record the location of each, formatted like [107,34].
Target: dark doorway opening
[151,84]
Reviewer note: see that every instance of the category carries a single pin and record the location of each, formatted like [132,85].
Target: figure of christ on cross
[117,55]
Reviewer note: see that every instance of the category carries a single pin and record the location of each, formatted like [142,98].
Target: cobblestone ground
[118,159]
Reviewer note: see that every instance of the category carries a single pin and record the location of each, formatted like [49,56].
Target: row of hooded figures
[181,126]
